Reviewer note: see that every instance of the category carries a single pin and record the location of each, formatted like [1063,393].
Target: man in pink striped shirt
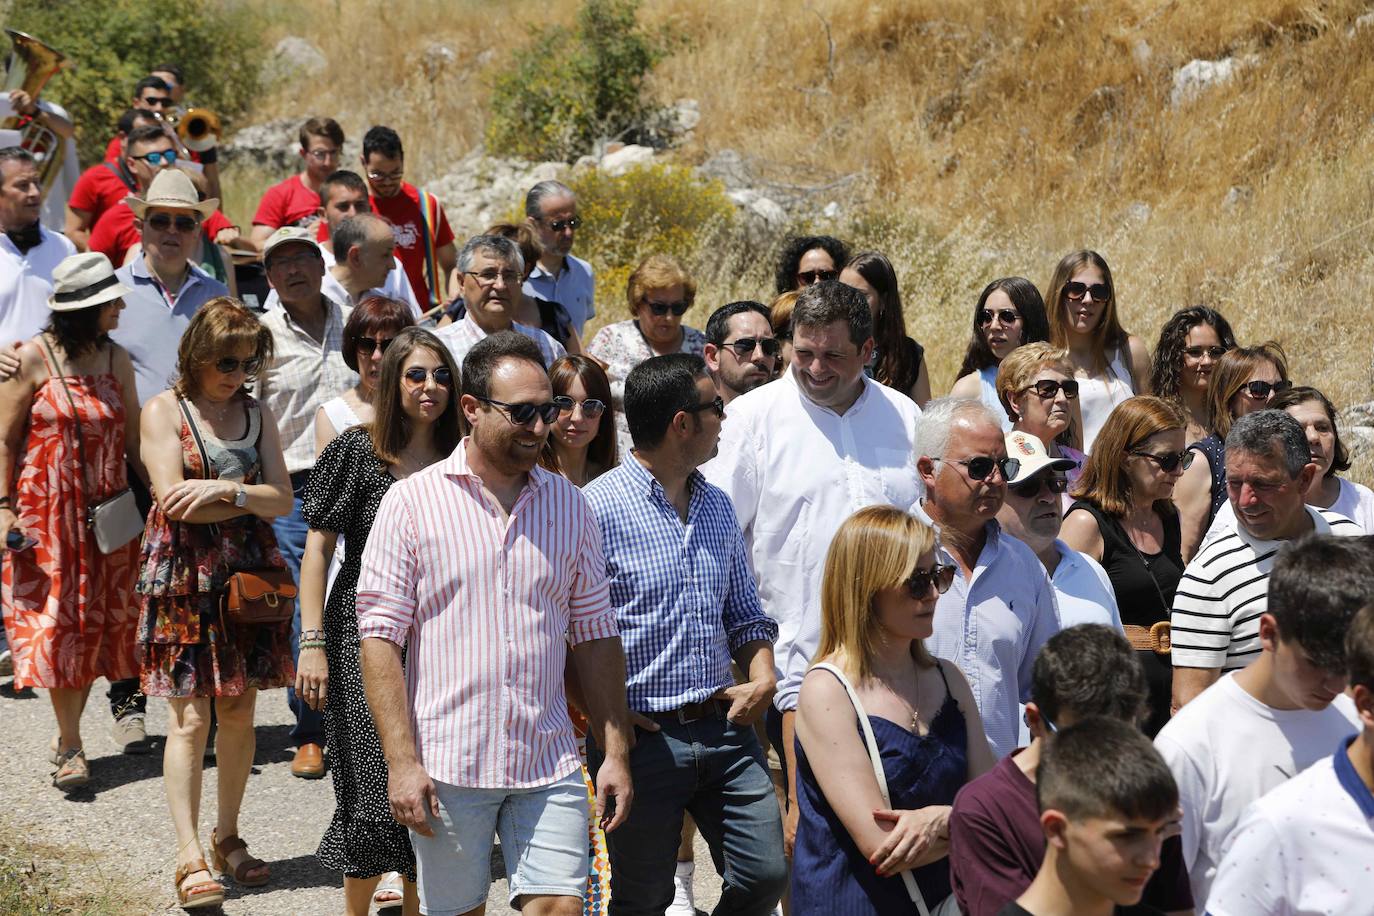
[487,568]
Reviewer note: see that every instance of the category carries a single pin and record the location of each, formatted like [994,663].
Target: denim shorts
[543,839]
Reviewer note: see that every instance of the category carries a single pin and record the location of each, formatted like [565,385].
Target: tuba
[30,67]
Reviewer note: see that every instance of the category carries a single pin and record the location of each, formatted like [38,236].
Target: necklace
[914,710]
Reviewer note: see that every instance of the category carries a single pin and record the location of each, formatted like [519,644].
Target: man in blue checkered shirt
[687,605]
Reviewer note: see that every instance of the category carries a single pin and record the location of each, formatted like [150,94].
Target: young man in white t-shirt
[1308,846]
[1259,727]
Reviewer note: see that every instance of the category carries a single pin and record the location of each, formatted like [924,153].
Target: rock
[1362,22]
[293,59]
[831,210]
[438,56]
[1237,196]
[273,146]
[626,158]
[771,212]
[1141,52]
[584,162]
[1196,76]
[548,171]
[1357,415]
[727,167]
[1358,440]
[1138,213]
[685,115]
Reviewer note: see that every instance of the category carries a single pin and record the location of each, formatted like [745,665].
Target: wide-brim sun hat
[83,280]
[1030,452]
[172,189]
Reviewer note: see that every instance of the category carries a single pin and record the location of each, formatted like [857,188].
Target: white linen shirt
[26,284]
[795,471]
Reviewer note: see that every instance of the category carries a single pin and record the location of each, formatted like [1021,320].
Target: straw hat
[83,280]
[172,188]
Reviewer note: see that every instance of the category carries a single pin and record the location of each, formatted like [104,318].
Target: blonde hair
[658,271]
[780,313]
[876,548]
[1016,371]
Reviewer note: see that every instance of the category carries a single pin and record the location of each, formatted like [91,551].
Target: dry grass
[990,138]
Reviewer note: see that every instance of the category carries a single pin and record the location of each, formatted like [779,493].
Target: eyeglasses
[1029,489]
[164,221]
[1169,462]
[744,347]
[981,468]
[1075,291]
[1260,391]
[228,365]
[591,407]
[415,376]
[715,405]
[322,155]
[386,176]
[1198,352]
[157,101]
[1049,388]
[489,277]
[922,581]
[807,277]
[368,345]
[524,414]
[1006,316]
[558,225]
[678,308]
[160,158]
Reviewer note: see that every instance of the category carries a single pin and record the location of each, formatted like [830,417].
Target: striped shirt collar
[456,465]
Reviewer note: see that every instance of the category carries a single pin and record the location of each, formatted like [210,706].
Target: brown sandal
[227,847]
[200,894]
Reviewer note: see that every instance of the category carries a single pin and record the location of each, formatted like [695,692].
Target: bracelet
[311,644]
[312,635]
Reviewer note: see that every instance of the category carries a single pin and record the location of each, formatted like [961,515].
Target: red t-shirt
[288,203]
[115,233]
[98,189]
[403,212]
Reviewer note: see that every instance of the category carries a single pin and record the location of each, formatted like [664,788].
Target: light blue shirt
[1083,591]
[573,287]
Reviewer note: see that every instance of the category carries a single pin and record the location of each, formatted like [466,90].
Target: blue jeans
[714,770]
[290,531]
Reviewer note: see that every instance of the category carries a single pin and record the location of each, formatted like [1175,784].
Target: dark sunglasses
[1049,388]
[1197,352]
[591,407]
[524,414]
[807,277]
[1261,390]
[1029,489]
[164,221]
[1006,316]
[161,101]
[716,405]
[981,468]
[1075,291]
[922,581]
[1168,463]
[155,159]
[678,308]
[416,375]
[250,366]
[744,347]
[558,225]
[368,345]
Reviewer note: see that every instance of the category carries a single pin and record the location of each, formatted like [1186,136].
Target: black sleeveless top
[1144,583]
[1214,450]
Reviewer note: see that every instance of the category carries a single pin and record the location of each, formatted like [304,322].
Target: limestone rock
[1197,76]
[626,158]
[293,59]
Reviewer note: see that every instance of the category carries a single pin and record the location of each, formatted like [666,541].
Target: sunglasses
[744,347]
[161,101]
[1170,462]
[591,407]
[415,376]
[368,345]
[1260,391]
[807,277]
[1075,291]
[922,581]
[228,365]
[1029,489]
[164,221]
[158,158]
[558,225]
[1006,316]
[1198,352]
[715,405]
[981,468]
[1049,388]
[524,414]
[678,308]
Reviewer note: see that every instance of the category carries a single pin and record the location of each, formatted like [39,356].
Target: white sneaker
[684,903]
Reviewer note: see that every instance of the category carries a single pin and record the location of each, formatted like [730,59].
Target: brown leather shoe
[309,761]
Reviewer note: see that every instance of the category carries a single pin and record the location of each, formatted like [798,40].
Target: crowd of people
[1092,633]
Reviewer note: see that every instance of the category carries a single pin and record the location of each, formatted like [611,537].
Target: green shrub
[111,44]
[573,86]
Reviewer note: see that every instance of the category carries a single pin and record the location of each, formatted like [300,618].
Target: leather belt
[692,711]
[1154,638]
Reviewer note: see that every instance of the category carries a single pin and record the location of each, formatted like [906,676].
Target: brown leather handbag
[258,596]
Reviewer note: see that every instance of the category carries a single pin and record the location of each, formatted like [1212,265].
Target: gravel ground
[119,835]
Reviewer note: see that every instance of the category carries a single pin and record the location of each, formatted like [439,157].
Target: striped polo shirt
[1225,589]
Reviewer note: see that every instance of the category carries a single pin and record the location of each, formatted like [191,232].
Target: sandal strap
[190,868]
[229,844]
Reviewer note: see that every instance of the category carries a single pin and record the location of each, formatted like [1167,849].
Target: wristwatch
[240,498]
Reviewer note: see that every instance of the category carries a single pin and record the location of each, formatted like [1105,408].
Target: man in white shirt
[28,251]
[551,211]
[800,455]
[1000,609]
[363,247]
[1215,621]
[1308,846]
[1262,725]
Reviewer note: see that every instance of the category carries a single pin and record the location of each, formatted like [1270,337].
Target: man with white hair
[551,210]
[1001,608]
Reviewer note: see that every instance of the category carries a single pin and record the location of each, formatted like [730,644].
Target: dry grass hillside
[987,139]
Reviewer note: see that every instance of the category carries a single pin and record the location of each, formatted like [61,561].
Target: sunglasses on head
[1168,463]
[1029,489]
[558,225]
[981,468]
[1261,390]
[807,277]
[368,345]
[415,376]
[1006,316]
[922,581]
[744,347]
[678,308]
[229,365]
[1198,352]
[591,407]
[1075,291]
[1049,388]
[524,414]
[164,221]
[155,159]
[716,405]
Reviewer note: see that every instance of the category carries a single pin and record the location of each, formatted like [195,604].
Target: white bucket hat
[1030,451]
[173,189]
[83,280]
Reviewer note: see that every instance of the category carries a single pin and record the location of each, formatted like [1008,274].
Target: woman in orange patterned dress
[68,423]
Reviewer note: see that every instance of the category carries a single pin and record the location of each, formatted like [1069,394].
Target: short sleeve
[333,492]
[1192,795]
[387,602]
[591,615]
[270,209]
[443,234]
[85,193]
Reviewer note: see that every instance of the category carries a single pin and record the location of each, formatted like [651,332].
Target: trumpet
[198,129]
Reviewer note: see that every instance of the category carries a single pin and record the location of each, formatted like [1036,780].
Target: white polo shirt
[26,284]
[1306,847]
